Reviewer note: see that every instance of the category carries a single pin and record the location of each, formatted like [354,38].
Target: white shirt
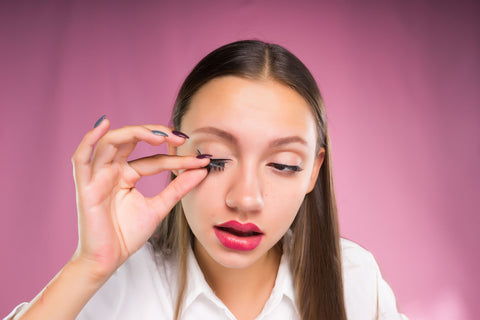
[145,287]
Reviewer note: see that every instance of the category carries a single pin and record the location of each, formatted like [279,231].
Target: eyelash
[285,167]
[217,164]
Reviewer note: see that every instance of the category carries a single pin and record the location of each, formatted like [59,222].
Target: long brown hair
[315,257]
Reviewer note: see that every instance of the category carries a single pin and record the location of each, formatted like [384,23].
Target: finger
[163,202]
[172,139]
[161,162]
[119,143]
[81,158]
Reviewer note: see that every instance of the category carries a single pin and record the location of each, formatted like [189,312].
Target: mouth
[239,233]
[240,229]
[237,236]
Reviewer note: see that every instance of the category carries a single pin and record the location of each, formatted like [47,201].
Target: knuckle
[131,128]
[74,158]
[178,190]
[127,127]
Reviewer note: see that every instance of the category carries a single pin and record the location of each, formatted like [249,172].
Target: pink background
[401,84]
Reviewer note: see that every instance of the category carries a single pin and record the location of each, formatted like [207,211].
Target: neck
[239,287]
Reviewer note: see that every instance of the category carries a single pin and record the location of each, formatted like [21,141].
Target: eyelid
[281,167]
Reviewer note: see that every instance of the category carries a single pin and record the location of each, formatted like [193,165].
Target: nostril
[230,203]
[245,203]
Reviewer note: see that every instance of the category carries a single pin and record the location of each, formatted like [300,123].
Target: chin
[236,259]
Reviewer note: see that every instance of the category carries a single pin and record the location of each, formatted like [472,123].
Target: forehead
[238,105]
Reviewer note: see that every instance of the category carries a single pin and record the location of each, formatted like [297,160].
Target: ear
[318,162]
[172,151]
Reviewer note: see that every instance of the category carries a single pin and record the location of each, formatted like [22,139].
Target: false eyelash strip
[217,164]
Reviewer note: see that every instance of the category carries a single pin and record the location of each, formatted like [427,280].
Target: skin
[241,119]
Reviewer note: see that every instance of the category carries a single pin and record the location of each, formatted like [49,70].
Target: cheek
[288,191]
[192,208]
[199,212]
[283,204]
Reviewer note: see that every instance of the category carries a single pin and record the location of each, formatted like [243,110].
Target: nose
[245,194]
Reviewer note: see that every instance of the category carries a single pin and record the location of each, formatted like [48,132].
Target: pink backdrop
[401,84]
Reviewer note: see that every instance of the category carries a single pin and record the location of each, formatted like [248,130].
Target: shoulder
[367,294]
[360,273]
[359,281]
[355,256]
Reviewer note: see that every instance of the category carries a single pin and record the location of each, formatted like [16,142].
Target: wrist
[68,292]
[92,271]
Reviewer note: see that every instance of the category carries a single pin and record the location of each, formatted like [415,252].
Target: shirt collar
[197,285]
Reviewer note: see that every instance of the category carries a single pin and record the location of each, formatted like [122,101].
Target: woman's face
[266,133]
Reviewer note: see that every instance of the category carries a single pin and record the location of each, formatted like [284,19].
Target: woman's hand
[115,219]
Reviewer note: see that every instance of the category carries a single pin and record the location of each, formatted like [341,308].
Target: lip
[238,236]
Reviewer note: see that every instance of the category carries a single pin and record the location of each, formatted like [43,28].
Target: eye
[285,167]
[217,164]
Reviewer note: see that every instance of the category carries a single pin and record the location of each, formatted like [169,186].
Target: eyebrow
[232,139]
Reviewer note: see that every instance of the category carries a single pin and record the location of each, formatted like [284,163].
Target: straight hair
[315,257]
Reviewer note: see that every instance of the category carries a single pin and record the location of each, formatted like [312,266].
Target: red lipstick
[238,236]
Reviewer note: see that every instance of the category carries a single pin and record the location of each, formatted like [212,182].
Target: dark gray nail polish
[99,121]
[203,156]
[159,133]
[180,134]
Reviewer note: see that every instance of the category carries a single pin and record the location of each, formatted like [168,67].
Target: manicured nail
[99,121]
[203,156]
[180,134]
[159,133]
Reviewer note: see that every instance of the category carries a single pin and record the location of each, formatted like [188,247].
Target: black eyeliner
[293,168]
[282,167]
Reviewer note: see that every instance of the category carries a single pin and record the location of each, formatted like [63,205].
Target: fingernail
[159,133]
[99,121]
[203,156]
[180,134]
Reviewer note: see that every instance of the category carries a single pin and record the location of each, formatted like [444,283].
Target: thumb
[163,202]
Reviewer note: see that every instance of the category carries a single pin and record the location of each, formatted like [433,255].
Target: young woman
[247,228]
